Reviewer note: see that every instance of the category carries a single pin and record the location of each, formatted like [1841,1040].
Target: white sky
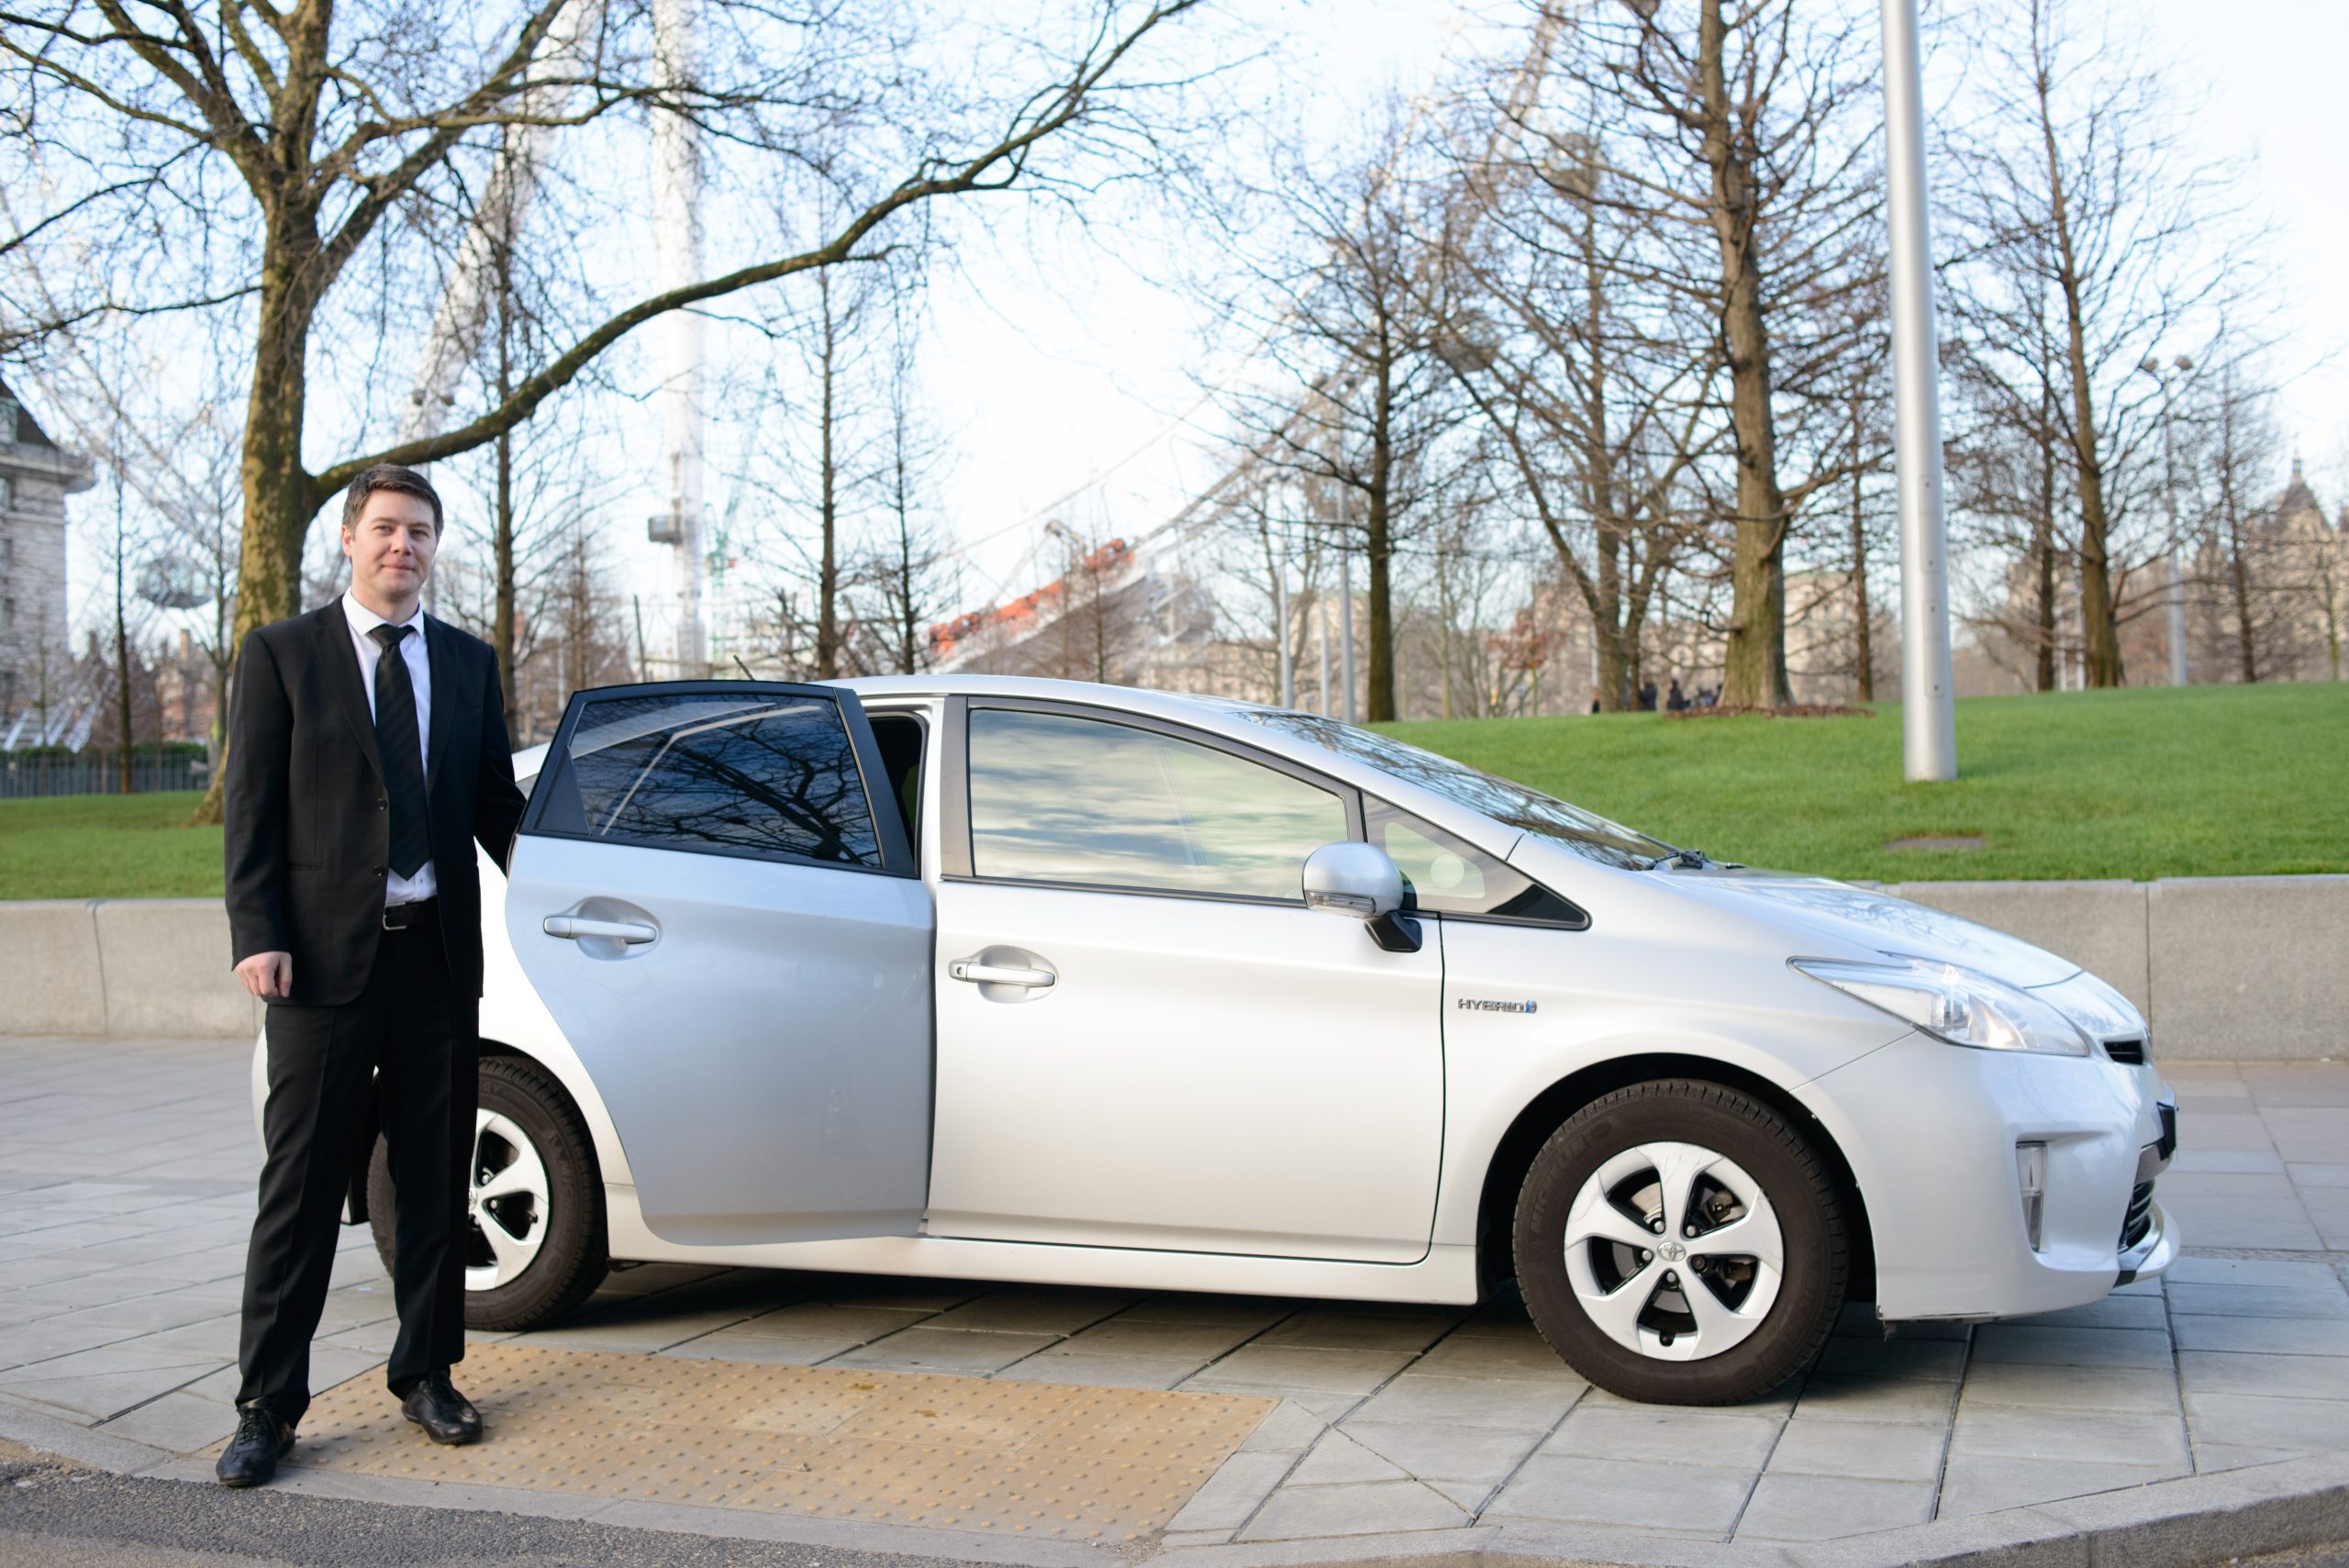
[1053,368]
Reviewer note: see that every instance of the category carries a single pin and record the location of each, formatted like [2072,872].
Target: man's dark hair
[388,476]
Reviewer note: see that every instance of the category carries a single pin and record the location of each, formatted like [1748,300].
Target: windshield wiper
[1687,860]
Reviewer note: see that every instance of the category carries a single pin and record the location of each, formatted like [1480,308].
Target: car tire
[1760,1234]
[551,1212]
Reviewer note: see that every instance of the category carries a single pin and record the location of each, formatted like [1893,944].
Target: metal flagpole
[1929,719]
[678,257]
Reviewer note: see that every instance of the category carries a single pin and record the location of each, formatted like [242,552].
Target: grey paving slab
[1034,1311]
[2269,1336]
[1467,1402]
[1825,1398]
[1979,1484]
[2265,1421]
[1872,1450]
[1234,1492]
[2251,1274]
[1826,1507]
[1997,1343]
[1356,1331]
[2287,1377]
[1126,1335]
[1666,1435]
[1568,1490]
[1290,1428]
[1936,1360]
[178,1421]
[1055,1365]
[1338,1457]
[1368,1507]
[2139,1390]
[1288,1367]
[1433,1450]
[2264,1301]
[967,1351]
[2013,1433]
[1507,1356]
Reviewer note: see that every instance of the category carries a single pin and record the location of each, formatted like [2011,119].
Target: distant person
[1647,697]
[1596,705]
[1708,696]
[1676,700]
[367,756]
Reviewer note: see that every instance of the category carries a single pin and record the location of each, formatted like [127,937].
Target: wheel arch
[509,1051]
[1513,1155]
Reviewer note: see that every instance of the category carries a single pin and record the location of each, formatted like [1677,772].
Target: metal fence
[21,777]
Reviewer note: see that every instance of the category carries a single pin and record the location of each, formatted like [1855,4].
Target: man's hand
[268,973]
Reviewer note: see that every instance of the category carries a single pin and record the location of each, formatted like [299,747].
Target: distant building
[36,659]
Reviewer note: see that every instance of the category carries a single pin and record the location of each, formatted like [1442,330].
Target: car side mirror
[1360,879]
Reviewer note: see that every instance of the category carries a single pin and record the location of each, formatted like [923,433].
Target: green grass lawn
[2207,781]
[2212,781]
[106,846]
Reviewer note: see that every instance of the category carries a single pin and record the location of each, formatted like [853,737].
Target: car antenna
[744,668]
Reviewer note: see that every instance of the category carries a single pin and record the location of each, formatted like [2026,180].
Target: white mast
[677,260]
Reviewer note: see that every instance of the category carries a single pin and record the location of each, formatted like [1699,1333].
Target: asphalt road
[55,1515]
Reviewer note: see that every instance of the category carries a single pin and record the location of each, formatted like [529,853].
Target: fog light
[2031,1178]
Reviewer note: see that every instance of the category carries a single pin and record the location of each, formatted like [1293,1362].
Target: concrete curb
[2187,1523]
[2232,969]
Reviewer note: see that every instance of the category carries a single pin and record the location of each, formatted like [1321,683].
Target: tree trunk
[828,630]
[2099,629]
[2042,544]
[502,631]
[280,495]
[1377,540]
[1756,666]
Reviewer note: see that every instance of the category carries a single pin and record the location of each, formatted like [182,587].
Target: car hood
[1873,920]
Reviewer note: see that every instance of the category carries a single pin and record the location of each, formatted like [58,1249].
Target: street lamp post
[1929,717]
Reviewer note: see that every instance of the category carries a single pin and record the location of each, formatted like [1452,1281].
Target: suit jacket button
[377,869]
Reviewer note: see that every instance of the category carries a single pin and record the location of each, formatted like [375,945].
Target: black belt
[400,916]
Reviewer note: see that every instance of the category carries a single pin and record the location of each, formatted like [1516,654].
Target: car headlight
[1963,1007]
[2102,1012]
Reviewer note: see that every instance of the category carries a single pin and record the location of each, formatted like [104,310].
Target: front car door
[1145,1037]
[714,894]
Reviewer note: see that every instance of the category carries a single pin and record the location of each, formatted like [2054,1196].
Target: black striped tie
[395,739]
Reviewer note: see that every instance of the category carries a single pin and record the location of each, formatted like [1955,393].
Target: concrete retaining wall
[2227,968]
[128,966]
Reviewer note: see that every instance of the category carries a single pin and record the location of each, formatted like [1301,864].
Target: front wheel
[533,1235]
[1682,1242]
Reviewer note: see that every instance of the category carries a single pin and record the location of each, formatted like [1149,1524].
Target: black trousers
[408,1044]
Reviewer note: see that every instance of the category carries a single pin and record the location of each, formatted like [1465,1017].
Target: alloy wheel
[1674,1251]
[506,1205]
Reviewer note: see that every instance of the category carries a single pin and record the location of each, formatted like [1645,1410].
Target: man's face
[391,549]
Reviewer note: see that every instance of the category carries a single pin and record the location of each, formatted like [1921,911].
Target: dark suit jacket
[309,826]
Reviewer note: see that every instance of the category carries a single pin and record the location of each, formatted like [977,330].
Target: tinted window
[1060,799]
[1448,875]
[773,777]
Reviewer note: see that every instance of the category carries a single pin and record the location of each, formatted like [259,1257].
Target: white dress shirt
[397,889]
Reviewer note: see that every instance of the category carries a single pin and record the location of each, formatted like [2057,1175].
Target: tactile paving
[898,1447]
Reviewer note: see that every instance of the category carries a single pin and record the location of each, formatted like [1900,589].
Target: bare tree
[1339,265]
[1748,128]
[262,159]
[2086,238]
[909,566]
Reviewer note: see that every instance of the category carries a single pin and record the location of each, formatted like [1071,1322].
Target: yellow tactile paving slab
[900,1448]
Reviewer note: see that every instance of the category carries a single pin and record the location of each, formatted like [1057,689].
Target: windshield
[1503,800]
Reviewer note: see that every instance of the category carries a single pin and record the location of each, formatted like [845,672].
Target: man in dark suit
[367,754]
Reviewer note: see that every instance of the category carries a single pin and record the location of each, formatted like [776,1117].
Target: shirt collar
[364,620]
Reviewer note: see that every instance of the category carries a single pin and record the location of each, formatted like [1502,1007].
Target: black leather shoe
[446,1416]
[253,1454]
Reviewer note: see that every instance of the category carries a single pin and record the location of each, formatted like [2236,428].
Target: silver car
[985,977]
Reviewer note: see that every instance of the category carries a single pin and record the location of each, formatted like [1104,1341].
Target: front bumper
[1932,1132]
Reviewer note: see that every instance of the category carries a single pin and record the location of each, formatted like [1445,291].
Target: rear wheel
[533,1240]
[1682,1242]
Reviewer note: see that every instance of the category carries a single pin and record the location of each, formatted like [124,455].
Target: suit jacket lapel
[441,659]
[341,663]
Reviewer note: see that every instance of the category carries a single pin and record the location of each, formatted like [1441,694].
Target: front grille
[2130,1052]
[2140,1217]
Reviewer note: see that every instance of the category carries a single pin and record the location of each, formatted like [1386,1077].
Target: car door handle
[575,927]
[979,973]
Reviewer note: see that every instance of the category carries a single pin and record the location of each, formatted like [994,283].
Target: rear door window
[766,776]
